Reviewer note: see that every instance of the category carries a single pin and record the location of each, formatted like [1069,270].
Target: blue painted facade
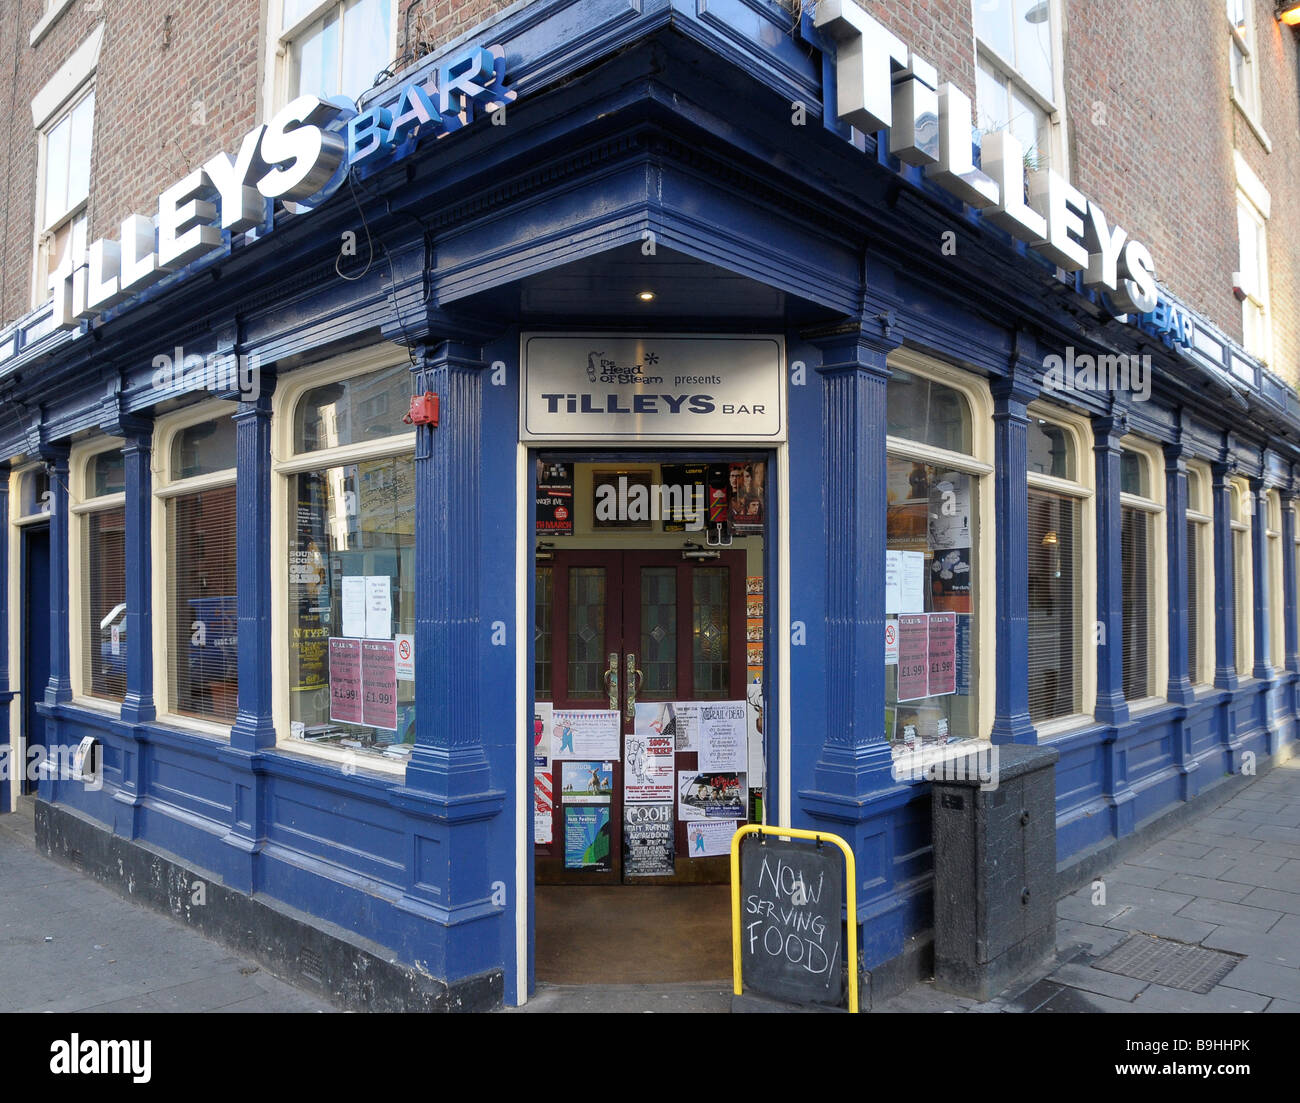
[673,119]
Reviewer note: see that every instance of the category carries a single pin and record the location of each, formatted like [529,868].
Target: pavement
[1220,894]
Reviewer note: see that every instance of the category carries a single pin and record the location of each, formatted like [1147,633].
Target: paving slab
[1182,928]
[1207,887]
[1269,948]
[1265,979]
[1118,987]
[1218,1000]
[1235,915]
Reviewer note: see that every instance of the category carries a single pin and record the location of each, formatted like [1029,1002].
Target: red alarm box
[424,409]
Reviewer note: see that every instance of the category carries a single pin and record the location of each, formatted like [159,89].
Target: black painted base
[336,964]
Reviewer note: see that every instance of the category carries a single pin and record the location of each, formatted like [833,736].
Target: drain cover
[1173,964]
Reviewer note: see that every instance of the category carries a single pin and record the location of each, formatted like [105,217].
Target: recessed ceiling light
[646,296]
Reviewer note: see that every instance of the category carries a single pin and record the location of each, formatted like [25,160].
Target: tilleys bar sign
[300,155]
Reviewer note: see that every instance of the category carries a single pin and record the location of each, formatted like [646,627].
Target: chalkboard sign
[791,935]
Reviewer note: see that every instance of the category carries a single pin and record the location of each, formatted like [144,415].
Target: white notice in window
[354,605]
[912,585]
[893,581]
[379,607]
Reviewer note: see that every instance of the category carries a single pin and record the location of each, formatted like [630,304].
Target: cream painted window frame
[285,463]
[1201,514]
[79,505]
[1273,562]
[1241,520]
[1083,488]
[1158,592]
[166,488]
[979,465]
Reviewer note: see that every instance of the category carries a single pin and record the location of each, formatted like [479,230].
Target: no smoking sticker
[405,658]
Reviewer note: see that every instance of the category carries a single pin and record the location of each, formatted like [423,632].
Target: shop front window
[351,566]
[1141,544]
[932,563]
[101,519]
[1200,577]
[1243,588]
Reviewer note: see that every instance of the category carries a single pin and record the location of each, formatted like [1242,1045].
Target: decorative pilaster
[1289,609]
[6,694]
[1225,620]
[1111,708]
[1260,574]
[1011,397]
[855,759]
[59,687]
[1180,683]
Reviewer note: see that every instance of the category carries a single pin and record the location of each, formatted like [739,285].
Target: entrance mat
[1173,964]
[633,934]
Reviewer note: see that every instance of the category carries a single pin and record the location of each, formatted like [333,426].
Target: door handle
[634,679]
[611,681]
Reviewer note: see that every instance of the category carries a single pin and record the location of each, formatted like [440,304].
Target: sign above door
[653,388]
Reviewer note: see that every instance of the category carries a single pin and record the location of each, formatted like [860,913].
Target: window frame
[1201,514]
[279,45]
[1158,593]
[1273,564]
[165,488]
[44,228]
[80,505]
[1010,78]
[1084,489]
[286,462]
[1241,519]
[1249,100]
[1257,291]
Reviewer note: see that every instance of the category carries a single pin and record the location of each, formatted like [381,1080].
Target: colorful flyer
[647,760]
[942,647]
[710,796]
[345,681]
[379,684]
[586,782]
[648,844]
[963,656]
[584,733]
[555,498]
[913,657]
[722,736]
[586,837]
[709,838]
[543,808]
[541,733]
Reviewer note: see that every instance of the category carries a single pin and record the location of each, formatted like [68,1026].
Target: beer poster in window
[942,646]
[379,684]
[554,498]
[687,483]
[913,656]
[345,681]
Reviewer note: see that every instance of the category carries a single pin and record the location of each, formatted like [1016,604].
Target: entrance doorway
[35,658]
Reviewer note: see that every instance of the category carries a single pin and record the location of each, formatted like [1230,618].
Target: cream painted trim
[1243,521]
[1205,559]
[68,78]
[165,430]
[284,464]
[1251,185]
[79,505]
[1085,489]
[1276,599]
[1158,595]
[979,464]
[523,790]
[53,11]
[783,676]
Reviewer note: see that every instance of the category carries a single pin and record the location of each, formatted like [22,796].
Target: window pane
[1135,567]
[928,412]
[204,448]
[587,659]
[315,59]
[56,171]
[1033,58]
[1133,474]
[1051,450]
[366,47]
[658,655]
[369,407]
[711,631]
[104,604]
[107,474]
[543,600]
[931,514]
[35,493]
[993,25]
[1194,490]
[990,100]
[353,521]
[1241,564]
[1029,125]
[1193,602]
[79,151]
[295,10]
[202,619]
[1054,605]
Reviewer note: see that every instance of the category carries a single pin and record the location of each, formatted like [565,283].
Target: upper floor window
[62,192]
[1242,70]
[336,48]
[1253,277]
[1016,76]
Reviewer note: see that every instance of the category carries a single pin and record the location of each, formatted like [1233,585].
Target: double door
[615,630]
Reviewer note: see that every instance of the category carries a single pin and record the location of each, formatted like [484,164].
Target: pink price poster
[345,681]
[379,679]
[913,656]
[943,654]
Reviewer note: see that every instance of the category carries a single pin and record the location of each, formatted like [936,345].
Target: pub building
[729,493]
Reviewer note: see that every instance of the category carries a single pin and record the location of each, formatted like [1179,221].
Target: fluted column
[59,687]
[1180,683]
[1292,637]
[1263,584]
[1225,620]
[1111,707]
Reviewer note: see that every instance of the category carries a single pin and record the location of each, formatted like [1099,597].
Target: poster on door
[543,808]
[586,837]
[586,782]
[541,733]
[647,761]
[584,733]
[648,844]
[722,736]
[710,796]
[709,838]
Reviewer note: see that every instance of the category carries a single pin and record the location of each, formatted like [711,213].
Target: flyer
[648,843]
[345,681]
[584,733]
[543,808]
[586,782]
[950,511]
[586,837]
[722,736]
[709,838]
[912,582]
[379,607]
[913,657]
[353,605]
[541,732]
[942,647]
[378,684]
[555,498]
[647,761]
[702,796]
